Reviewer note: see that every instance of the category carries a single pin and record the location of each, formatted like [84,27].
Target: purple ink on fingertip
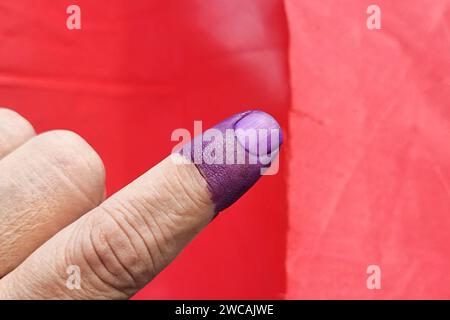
[220,160]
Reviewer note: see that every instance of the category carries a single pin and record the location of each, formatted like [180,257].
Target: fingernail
[228,182]
[266,129]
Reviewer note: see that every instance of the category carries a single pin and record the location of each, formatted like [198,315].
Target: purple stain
[265,126]
[232,155]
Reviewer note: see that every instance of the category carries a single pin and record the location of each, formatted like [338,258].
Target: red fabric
[136,71]
[370,156]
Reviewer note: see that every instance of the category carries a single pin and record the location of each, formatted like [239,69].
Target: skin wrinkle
[57,275]
[70,250]
[173,193]
[61,173]
[26,287]
[123,266]
[157,215]
[195,200]
[169,212]
[95,270]
[33,212]
[86,161]
[151,211]
[123,230]
[154,236]
[134,211]
[167,215]
[69,256]
[94,200]
[103,237]
[87,257]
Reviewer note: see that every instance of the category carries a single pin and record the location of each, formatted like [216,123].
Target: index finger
[126,241]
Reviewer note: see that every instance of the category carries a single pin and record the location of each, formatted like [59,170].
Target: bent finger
[124,243]
[45,185]
[14,131]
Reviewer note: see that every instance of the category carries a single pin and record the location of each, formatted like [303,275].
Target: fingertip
[243,147]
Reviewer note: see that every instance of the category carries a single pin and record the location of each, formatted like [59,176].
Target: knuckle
[11,116]
[14,127]
[118,251]
[71,150]
[70,154]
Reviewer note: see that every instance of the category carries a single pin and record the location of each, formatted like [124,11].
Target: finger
[126,241]
[45,185]
[14,131]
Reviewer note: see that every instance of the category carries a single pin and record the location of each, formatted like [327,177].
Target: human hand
[53,215]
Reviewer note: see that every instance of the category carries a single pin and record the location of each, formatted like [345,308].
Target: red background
[366,175]
[370,130]
[136,71]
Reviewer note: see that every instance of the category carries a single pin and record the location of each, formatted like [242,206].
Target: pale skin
[53,214]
